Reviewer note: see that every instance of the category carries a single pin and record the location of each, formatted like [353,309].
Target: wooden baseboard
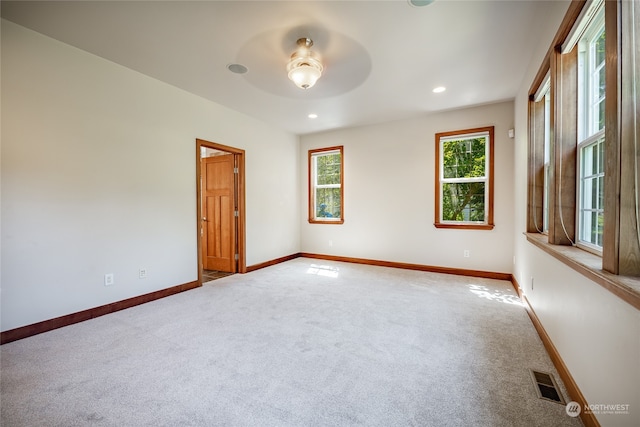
[70,319]
[516,286]
[59,322]
[272,262]
[588,419]
[407,266]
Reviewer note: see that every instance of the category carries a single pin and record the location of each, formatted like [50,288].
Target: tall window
[547,158]
[591,101]
[326,185]
[541,158]
[541,139]
[464,179]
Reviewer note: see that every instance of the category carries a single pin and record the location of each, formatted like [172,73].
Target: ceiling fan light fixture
[304,67]
[304,75]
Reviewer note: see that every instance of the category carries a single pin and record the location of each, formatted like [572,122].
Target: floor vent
[546,387]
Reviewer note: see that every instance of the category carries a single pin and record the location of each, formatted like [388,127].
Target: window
[593,162]
[547,158]
[326,186]
[464,179]
[541,150]
[591,113]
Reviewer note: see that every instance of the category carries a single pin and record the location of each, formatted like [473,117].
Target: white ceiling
[382,58]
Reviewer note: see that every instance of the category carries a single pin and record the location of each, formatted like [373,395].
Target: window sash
[589,203]
[591,90]
[485,195]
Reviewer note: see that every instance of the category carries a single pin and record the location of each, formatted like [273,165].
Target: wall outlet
[142,273]
[466,253]
[108,279]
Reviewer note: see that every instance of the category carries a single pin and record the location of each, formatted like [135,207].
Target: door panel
[218,207]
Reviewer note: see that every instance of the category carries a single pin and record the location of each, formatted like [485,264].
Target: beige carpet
[303,343]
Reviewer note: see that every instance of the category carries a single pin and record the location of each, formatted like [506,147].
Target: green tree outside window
[464,177]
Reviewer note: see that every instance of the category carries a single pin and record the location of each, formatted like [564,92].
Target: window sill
[319,221]
[590,266]
[464,226]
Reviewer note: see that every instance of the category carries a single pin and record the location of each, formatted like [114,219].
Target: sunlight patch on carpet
[323,270]
[494,295]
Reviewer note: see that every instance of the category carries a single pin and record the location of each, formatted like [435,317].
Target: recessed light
[439,89]
[313,116]
[237,68]
[420,3]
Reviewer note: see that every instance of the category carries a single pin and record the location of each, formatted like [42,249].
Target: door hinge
[236,213]
[235,170]
[237,257]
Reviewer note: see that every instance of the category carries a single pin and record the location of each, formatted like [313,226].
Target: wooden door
[218,213]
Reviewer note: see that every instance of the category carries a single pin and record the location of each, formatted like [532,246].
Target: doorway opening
[220,210]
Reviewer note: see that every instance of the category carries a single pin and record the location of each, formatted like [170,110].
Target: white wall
[596,333]
[389,194]
[98,176]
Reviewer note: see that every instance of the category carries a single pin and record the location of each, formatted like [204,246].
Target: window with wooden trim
[326,196]
[464,179]
[594,157]
[547,158]
[541,150]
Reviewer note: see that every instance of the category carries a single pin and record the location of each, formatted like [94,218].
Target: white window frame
[589,133]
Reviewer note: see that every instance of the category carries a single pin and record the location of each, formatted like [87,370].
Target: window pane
[601,192]
[592,227]
[328,203]
[599,47]
[587,194]
[601,155]
[601,82]
[600,117]
[463,201]
[593,157]
[589,161]
[600,228]
[328,169]
[593,199]
[464,158]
